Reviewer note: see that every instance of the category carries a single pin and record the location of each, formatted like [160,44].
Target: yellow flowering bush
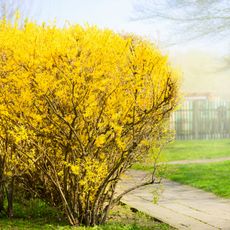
[78,106]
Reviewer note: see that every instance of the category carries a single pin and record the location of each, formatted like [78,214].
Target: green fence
[202,119]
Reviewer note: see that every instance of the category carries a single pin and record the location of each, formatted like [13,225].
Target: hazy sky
[201,61]
[114,14]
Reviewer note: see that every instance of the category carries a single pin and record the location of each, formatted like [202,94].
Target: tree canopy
[191,19]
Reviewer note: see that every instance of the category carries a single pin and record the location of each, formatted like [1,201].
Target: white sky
[116,15]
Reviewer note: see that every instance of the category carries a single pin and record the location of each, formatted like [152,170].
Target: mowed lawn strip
[196,149]
[211,177]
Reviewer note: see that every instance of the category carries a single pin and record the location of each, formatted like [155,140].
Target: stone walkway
[180,206]
[200,161]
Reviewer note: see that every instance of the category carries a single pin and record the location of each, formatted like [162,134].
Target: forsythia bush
[78,106]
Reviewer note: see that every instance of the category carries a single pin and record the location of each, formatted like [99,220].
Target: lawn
[44,217]
[212,177]
[196,149]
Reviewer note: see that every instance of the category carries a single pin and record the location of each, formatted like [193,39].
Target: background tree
[17,9]
[8,8]
[192,19]
[189,20]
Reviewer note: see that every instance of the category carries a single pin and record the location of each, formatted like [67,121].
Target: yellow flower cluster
[86,102]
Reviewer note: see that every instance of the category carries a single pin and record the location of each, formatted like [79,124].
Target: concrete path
[180,206]
[200,161]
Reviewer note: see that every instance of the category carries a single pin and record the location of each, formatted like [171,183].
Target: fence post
[195,119]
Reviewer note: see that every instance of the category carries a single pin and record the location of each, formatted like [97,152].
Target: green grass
[16,224]
[189,150]
[38,216]
[38,225]
[196,149]
[212,177]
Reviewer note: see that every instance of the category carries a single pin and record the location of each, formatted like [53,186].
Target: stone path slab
[180,206]
[199,161]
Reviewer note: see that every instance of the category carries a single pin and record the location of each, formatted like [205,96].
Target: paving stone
[181,206]
[199,161]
